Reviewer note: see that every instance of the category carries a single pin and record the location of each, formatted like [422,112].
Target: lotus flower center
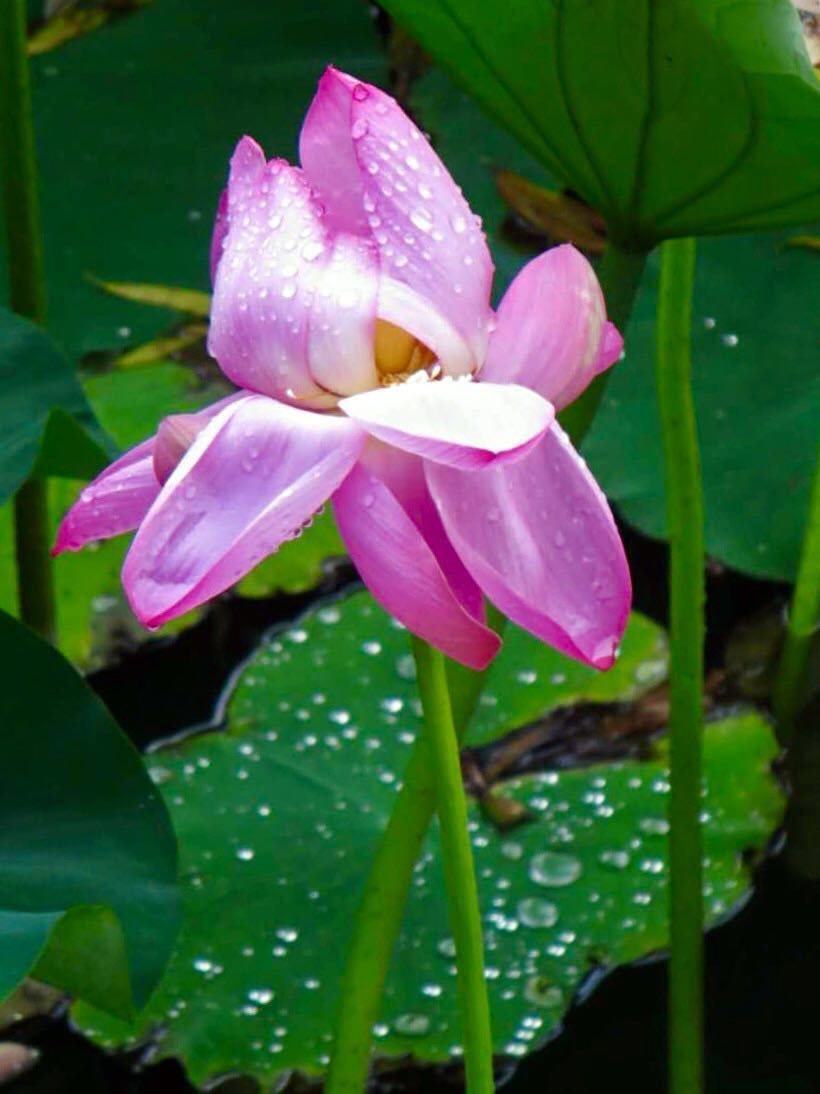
[398,354]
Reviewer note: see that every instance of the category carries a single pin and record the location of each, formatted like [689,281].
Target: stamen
[398,354]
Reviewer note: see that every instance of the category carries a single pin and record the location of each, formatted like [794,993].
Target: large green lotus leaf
[48,425]
[89,900]
[94,619]
[618,98]
[755,351]
[278,818]
[136,123]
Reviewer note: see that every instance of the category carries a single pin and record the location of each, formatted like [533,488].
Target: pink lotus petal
[538,537]
[403,475]
[358,141]
[219,233]
[343,317]
[610,349]
[327,156]
[249,482]
[402,573]
[265,284]
[115,502]
[550,326]
[454,422]
[178,432]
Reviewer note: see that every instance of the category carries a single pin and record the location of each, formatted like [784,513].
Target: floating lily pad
[278,817]
[753,334]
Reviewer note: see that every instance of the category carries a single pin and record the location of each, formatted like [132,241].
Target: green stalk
[32,529]
[804,616]
[27,295]
[377,926]
[381,911]
[459,872]
[620,273]
[684,502]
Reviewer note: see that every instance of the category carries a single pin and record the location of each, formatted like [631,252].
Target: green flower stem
[381,911]
[27,296]
[620,275]
[465,685]
[32,535]
[377,926]
[459,873]
[685,522]
[804,617]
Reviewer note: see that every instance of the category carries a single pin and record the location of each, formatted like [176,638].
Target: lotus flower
[351,308]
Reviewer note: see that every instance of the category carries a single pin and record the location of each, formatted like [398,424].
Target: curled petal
[250,481]
[115,502]
[551,332]
[178,432]
[538,537]
[276,278]
[357,140]
[401,571]
[454,422]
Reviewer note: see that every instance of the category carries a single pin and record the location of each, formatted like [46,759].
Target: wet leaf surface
[278,816]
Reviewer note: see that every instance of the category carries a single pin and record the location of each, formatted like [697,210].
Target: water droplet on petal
[420,219]
[312,250]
